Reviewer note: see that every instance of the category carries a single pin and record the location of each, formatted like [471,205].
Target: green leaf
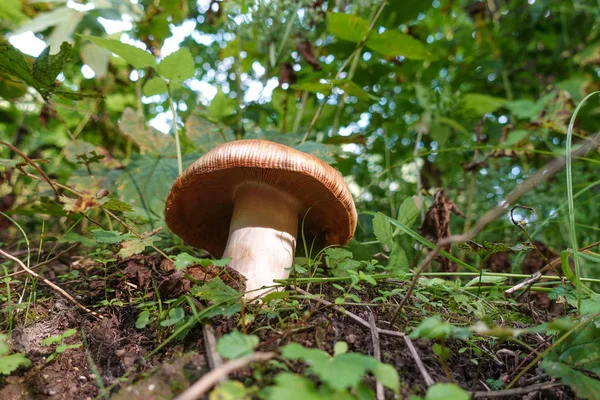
[9,364]
[387,375]
[204,134]
[175,315]
[353,89]
[135,246]
[61,348]
[177,66]
[222,106]
[142,320]
[133,55]
[489,248]
[315,87]
[585,387]
[480,104]
[382,228]
[409,211]
[13,63]
[229,390]
[402,11]
[8,163]
[110,237]
[446,391]
[215,291]
[398,261]
[148,139]
[11,12]
[51,340]
[524,109]
[347,27]
[184,260]
[290,386]
[394,43]
[69,333]
[236,344]
[117,205]
[155,86]
[47,67]
[340,348]
[337,253]
[432,328]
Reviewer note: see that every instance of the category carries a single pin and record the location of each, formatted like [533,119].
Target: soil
[116,361]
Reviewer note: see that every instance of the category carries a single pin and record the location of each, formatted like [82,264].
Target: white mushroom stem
[262,235]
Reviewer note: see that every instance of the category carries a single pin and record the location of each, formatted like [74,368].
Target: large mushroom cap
[200,204]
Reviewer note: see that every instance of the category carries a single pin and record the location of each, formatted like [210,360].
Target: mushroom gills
[262,235]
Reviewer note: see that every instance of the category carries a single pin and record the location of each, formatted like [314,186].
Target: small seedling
[59,341]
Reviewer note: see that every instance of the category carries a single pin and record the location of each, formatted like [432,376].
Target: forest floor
[112,358]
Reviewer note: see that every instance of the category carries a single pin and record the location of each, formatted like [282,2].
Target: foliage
[10,362]
[59,341]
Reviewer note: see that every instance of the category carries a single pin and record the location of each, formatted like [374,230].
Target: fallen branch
[376,354]
[52,285]
[516,391]
[202,385]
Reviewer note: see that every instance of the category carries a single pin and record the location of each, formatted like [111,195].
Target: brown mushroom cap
[200,204]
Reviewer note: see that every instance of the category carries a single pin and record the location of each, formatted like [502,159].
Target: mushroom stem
[262,235]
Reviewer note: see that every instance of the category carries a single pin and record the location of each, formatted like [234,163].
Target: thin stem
[175,131]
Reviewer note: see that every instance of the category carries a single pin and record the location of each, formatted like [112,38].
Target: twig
[52,285]
[33,164]
[543,174]
[415,279]
[516,391]
[413,352]
[210,342]
[202,385]
[44,262]
[376,353]
[534,278]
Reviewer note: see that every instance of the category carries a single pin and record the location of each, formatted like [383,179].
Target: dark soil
[113,360]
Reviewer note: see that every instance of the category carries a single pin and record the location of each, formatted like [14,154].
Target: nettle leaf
[394,43]
[382,228]
[347,27]
[9,364]
[337,253]
[216,291]
[236,344]
[445,391]
[133,55]
[479,104]
[343,371]
[47,67]
[13,63]
[110,237]
[177,66]
[398,261]
[155,86]
[575,356]
[135,246]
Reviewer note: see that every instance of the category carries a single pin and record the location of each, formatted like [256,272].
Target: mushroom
[249,199]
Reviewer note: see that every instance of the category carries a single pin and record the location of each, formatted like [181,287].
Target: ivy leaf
[236,344]
[155,86]
[347,27]
[445,391]
[382,228]
[133,55]
[135,246]
[177,67]
[393,43]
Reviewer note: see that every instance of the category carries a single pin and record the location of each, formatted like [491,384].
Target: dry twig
[52,285]
[376,353]
[516,391]
[202,385]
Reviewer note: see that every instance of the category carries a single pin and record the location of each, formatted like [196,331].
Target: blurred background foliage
[469,96]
